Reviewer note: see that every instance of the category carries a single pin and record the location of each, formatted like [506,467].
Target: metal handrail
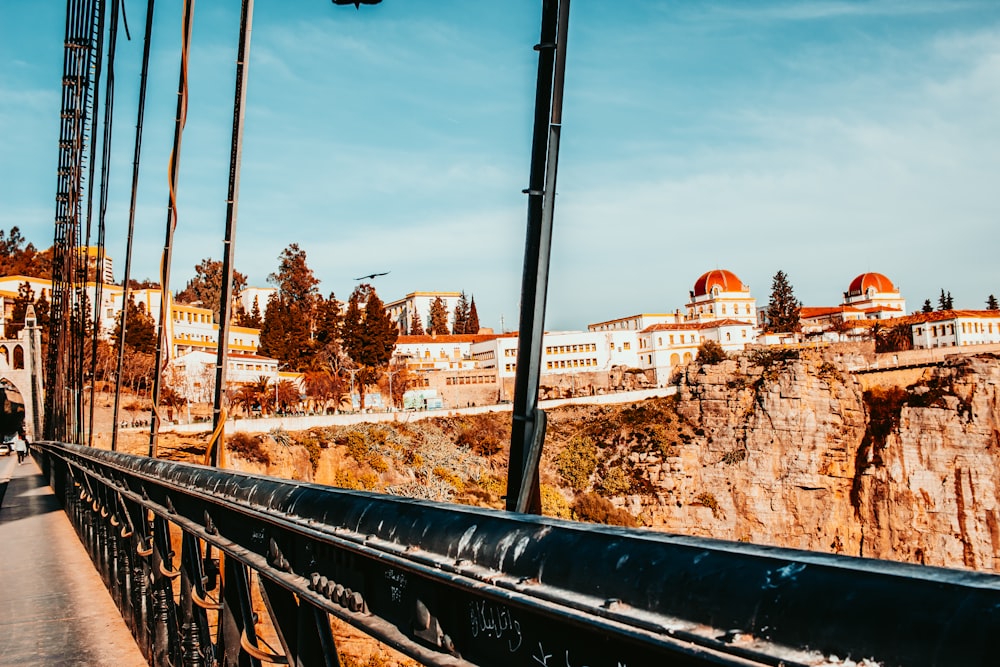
[448,584]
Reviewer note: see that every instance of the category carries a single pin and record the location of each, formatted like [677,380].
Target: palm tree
[321,386]
[286,395]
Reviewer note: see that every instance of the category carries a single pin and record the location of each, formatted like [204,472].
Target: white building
[258,295]
[955,328]
[663,347]
[418,305]
[875,296]
[719,295]
[445,352]
[192,374]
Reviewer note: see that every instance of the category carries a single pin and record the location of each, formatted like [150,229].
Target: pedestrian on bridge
[20,446]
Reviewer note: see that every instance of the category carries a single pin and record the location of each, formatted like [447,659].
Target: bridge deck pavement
[54,608]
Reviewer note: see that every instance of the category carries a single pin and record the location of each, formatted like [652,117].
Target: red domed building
[719,294]
[875,295]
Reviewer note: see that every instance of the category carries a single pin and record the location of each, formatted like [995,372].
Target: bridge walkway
[54,608]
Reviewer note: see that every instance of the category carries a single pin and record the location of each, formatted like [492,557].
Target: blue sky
[824,139]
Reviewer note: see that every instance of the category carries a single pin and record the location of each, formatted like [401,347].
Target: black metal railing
[182,548]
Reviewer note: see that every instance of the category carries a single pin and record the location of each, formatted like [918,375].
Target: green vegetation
[577,462]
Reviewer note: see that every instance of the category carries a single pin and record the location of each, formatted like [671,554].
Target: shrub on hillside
[615,482]
[554,503]
[577,462]
[248,447]
[595,509]
[710,352]
[484,435]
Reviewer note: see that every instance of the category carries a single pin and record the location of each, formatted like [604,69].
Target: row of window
[471,379]
[569,349]
[977,327]
[722,310]
[571,363]
[248,367]
[205,318]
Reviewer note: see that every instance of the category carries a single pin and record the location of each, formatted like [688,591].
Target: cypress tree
[472,324]
[783,308]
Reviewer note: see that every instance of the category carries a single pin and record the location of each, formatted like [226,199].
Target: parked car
[5,445]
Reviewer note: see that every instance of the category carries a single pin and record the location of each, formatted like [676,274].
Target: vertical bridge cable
[109,105]
[163,337]
[229,243]
[82,256]
[143,78]
[62,417]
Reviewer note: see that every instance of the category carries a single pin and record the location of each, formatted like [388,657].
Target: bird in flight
[373,275]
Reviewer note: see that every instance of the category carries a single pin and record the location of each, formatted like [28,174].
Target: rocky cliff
[788,450]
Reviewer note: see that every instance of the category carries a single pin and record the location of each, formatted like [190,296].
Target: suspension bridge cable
[143,79]
[83,251]
[109,106]
[163,338]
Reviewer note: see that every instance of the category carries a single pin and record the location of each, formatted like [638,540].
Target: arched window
[687,357]
[675,359]
[5,356]
[18,357]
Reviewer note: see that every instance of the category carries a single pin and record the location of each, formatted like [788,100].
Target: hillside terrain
[783,448]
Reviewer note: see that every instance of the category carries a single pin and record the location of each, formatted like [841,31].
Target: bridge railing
[185,549]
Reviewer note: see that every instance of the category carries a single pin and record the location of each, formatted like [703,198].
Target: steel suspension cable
[137,150]
[163,338]
[83,251]
[109,106]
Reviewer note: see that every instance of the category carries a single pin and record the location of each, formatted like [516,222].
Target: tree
[294,279]
[18,258]
[991,303]
[252,319]
[927,307]
[945,302]
[288,327]
[439,318]
[323,386]
[472,322]
[25,296]
[328,321]
[369,335]
[783,309]
[140,331]
[416,326]
[892,339]
[206,286]
[461,316]
[711,352]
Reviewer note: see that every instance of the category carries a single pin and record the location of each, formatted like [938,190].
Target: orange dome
[726,281]
[878,281]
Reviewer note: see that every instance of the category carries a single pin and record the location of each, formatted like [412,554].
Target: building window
[627,346]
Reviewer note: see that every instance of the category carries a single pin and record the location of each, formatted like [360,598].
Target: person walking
[20,446]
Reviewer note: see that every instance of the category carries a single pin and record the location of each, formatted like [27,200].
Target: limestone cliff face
[930,493]
[784,453]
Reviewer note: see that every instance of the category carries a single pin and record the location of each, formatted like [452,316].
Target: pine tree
[416,326]
[289,323]
[991,303]
[927,308]
[945,302]
[472,324]
[328,321]
[783,308]
[461,315]
[439,318]
[369,336]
